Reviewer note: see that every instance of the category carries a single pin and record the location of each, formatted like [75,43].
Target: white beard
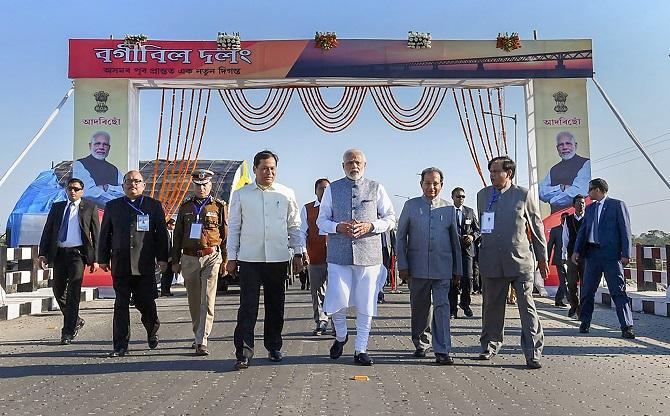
[354,176]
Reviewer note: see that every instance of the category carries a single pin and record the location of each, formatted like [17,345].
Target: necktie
[62,233]
[595,224]
[459,218]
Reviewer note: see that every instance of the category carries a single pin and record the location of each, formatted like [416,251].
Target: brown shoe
[201,350]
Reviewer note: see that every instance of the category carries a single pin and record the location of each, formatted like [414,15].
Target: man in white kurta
[354,212]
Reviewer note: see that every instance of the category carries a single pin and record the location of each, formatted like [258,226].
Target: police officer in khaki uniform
[198,251]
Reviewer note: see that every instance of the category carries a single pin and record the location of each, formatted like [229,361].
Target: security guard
[198,251]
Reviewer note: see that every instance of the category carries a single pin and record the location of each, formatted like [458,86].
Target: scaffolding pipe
[630,133]
[37,136]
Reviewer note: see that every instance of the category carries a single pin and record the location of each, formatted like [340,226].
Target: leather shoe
[166,294]
[242,364]
[453,315]
[486,355]
[275,356]
[560,304]
[66,340]
[152,341]
[572,312]
[337,348]
[444,359]
[201,350]
[119,352]
[628,333]
[420,353]
[362,358]
[584,328]
[533,364]
[468,312]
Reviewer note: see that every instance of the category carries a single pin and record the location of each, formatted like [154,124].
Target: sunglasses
[459,196]
[74,188]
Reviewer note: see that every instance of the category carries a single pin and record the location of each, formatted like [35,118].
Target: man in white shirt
[354,212]
[315,255]
[575,271]
[263,217]
[568,177]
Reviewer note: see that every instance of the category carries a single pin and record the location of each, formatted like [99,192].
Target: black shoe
[242,364]
[337,348]
[275,356]
[444,359]
[533,364]
[152,341]
[321,328]
[362,358]
[572,312]
[453,315]
[420,353]
[468,312]
[486,355]
[560,304]
[80,324]
[119,352]
[584,328]
[166,294]
[627,332]
[302,286]
[66,340]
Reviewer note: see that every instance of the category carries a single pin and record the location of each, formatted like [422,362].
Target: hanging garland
[493,124]
[332,118]
[158,144]
[161,193]
[471,147]
[479,129]
[424,113]
[260,118]
[501,111]
[486,129]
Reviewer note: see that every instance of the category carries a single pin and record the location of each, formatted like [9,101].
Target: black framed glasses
[133,181]
[459,196]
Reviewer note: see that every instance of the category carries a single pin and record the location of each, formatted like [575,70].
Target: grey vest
[354,200]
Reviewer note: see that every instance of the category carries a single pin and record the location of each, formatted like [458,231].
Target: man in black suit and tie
[168,275]
[68,244]
[134,237]
[556,244]
[468,231]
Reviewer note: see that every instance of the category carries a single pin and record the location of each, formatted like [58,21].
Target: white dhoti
[355,286]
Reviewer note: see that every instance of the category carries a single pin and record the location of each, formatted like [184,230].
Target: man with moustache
[133,239]
[429,257]
[354,212]
[506,212]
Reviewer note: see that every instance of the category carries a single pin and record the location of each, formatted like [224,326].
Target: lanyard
[200,207]
[494,198]
[132,205]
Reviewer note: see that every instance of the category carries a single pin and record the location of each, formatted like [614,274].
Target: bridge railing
[19,270]
[650,268]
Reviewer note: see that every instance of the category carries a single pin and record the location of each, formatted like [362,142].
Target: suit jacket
[427,240]
[468,226]
[132,252]
[556,243]
[506,252]
[88,224]
[614,231]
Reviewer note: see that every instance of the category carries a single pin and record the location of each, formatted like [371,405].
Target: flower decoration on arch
[134,40]
[508,43]
[229,41]
[325,40]
[418,40]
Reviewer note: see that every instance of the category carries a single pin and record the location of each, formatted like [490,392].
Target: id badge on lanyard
[196,227]
[488,217]
[142,220]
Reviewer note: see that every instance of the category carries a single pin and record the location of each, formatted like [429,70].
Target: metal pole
[37,136]
[630,133]
[516,154]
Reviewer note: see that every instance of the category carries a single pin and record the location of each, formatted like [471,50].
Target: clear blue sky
[630,41]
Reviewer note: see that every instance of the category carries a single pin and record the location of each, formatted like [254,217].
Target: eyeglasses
[133,181]
[74,188]
[459,196]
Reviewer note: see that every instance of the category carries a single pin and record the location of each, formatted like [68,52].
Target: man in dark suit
[68,243]
[571,228]
[468,231]
[555,243]
[168,275]
[134,237]
[604,240]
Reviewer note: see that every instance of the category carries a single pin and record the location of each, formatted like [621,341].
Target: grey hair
[350,152]
[431,170]
[567,134]
[100,133]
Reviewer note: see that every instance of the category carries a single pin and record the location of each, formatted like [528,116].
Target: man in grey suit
[507,213]
[429,256]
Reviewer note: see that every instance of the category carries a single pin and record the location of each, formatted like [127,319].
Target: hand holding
[404,275]
[543,267]
[231,267]
[93,268]
[105,267]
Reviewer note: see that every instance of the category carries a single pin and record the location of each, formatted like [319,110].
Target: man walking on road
[199,248]
[507,211]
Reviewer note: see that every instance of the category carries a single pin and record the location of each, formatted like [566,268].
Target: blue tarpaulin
[25,223]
